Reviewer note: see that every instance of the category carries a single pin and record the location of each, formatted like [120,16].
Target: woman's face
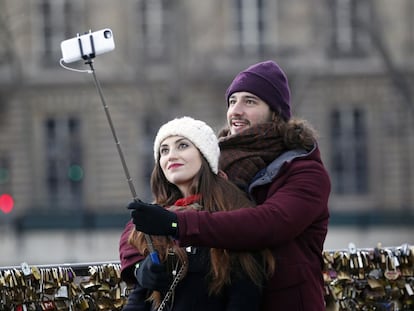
[180,161]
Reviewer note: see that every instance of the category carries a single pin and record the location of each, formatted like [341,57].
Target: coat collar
[270,172]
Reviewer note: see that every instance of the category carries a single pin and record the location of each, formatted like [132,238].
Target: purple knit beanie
[267,81]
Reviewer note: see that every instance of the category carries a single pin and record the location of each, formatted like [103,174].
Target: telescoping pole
[153,253]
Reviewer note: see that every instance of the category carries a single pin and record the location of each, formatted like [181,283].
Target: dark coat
[191,293]
[291,218]
[136,300]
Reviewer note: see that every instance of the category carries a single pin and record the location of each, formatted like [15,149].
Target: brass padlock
[82,303]
[36,273]
[116,293]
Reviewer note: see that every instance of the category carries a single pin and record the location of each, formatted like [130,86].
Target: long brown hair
[217,194]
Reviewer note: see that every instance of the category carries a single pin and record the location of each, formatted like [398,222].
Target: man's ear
[222,174]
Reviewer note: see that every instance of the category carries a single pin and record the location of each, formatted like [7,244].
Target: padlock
[82,303]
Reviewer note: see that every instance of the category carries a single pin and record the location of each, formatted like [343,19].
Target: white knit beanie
[198,132]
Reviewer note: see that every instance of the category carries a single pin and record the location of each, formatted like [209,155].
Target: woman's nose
[172,154]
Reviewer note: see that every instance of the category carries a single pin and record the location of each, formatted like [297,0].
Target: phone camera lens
[107,34]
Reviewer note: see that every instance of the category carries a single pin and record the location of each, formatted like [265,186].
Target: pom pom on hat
[198,132]
[267,81]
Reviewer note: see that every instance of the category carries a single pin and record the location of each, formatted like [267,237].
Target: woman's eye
[163,151]
[182,145]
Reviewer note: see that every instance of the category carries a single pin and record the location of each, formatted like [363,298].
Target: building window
[154,27]
[349,151]
[249,19]
[64,170]
[350,31]
[59,21]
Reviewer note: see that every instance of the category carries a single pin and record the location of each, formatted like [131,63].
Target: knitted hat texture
[198,132]
[267,81]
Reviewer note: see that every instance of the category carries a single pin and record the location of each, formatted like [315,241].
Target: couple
[206,228]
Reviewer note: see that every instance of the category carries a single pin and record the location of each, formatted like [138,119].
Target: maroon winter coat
[291,218]
[128,255]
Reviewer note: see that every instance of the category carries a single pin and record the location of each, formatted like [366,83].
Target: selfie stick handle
[153,253]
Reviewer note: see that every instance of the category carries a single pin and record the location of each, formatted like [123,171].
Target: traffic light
[6,198]
[75,173]
[4,174]
[6,203]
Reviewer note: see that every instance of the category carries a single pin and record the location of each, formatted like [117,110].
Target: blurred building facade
[350,65]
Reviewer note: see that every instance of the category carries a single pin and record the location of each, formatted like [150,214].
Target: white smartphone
[87,45]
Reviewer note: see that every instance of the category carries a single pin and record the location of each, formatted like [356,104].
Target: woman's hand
[153,219]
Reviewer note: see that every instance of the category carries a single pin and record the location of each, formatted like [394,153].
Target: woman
[186,177]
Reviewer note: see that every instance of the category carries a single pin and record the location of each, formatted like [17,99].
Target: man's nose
[236,108]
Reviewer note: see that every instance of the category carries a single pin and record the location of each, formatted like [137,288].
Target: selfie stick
[89,61]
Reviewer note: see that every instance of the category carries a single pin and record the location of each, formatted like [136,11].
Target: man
[277,161]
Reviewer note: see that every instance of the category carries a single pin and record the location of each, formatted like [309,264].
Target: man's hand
[153,219]
[151,275]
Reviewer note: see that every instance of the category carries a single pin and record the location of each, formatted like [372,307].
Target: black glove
[153,219]
[151,275]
